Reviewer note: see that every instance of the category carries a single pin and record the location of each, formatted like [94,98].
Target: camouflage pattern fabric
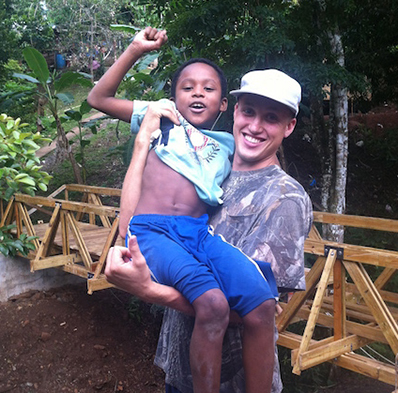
[268,215]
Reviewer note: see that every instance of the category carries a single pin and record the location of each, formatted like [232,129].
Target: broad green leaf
[16,135]
[67,79]
[148,59]
[85,107]
[30,143]
[74,115]
[28,180]
[25,77]
[42,186]
[37,64]
[66,98]
[4,250]
[125,28]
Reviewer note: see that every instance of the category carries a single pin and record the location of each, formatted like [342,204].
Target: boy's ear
[224,104]
[172,99]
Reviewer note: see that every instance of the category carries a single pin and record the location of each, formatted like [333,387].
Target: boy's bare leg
[211,321]
[259,347]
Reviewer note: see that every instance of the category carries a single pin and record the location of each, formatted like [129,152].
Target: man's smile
[252,139]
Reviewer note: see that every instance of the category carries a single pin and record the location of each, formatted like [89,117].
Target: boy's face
[260,125]
[198,95]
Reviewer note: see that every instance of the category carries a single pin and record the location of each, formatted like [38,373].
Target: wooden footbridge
[76,225]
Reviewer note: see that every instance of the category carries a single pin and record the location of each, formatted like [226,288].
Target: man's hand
[127,269]
[149,39]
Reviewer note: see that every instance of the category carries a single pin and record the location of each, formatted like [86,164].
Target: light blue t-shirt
[202,156]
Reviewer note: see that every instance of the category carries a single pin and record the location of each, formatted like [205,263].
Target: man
[265,213]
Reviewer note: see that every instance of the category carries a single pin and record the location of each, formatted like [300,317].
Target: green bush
[20,171]
[19,166]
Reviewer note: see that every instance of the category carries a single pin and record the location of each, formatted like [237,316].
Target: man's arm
[127,269]
[102,96]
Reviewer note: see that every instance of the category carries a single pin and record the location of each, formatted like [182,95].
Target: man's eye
[247,111]
[272,118]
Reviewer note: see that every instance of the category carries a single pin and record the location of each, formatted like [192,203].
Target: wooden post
[315,309]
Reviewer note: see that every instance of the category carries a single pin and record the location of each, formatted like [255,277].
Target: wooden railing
[342,296]
[75,236]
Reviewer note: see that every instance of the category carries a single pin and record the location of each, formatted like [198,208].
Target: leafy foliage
[20,169]
[9,246]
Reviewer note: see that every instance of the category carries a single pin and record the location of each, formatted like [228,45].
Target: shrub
[20,171]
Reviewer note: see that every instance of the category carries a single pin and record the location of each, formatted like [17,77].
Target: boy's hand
[151,123]
[149,39]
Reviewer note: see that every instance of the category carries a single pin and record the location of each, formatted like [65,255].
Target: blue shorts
[182,252]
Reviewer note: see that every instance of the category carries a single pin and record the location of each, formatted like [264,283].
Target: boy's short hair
[220,73]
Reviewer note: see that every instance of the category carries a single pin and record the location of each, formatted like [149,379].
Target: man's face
[198,95]
[260,124]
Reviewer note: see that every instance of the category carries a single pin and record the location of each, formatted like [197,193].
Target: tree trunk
[339,136]
[65,150]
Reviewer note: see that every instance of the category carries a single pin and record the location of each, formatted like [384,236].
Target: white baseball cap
[273,84]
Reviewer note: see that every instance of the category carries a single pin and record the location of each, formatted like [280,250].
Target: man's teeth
[252,139]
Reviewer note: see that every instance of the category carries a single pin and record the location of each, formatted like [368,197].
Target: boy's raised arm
[102,96]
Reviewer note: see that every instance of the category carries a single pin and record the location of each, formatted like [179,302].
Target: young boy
[182,176]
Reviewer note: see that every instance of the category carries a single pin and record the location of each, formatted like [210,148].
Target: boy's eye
[187,88]
[209,89]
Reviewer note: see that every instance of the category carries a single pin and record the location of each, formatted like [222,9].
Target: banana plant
[51,88]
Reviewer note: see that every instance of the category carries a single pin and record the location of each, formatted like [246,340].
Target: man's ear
[290,127]
[224,104]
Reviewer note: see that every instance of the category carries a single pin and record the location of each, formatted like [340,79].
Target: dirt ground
[67,341]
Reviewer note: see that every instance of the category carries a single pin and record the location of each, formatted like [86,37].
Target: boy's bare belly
[166,192]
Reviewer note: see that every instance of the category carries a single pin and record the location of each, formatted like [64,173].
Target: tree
[322,43]
[8,36]
[52,87]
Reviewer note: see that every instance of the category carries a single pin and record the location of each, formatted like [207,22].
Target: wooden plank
[354,362]
[315,309]
[64,234]
[24,216]
[375,303]
[339,301]
[369,367]
[110,241]
[368,255]
[95,199]
[96,284]
[298,299]
[327,352]
[79,240]
[95,190]
[55,261]
[49,236]
[52,195]
[380,224]
[68,205]
[384,277]
[6,218]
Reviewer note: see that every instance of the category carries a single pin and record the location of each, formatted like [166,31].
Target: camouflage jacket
[268,215]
